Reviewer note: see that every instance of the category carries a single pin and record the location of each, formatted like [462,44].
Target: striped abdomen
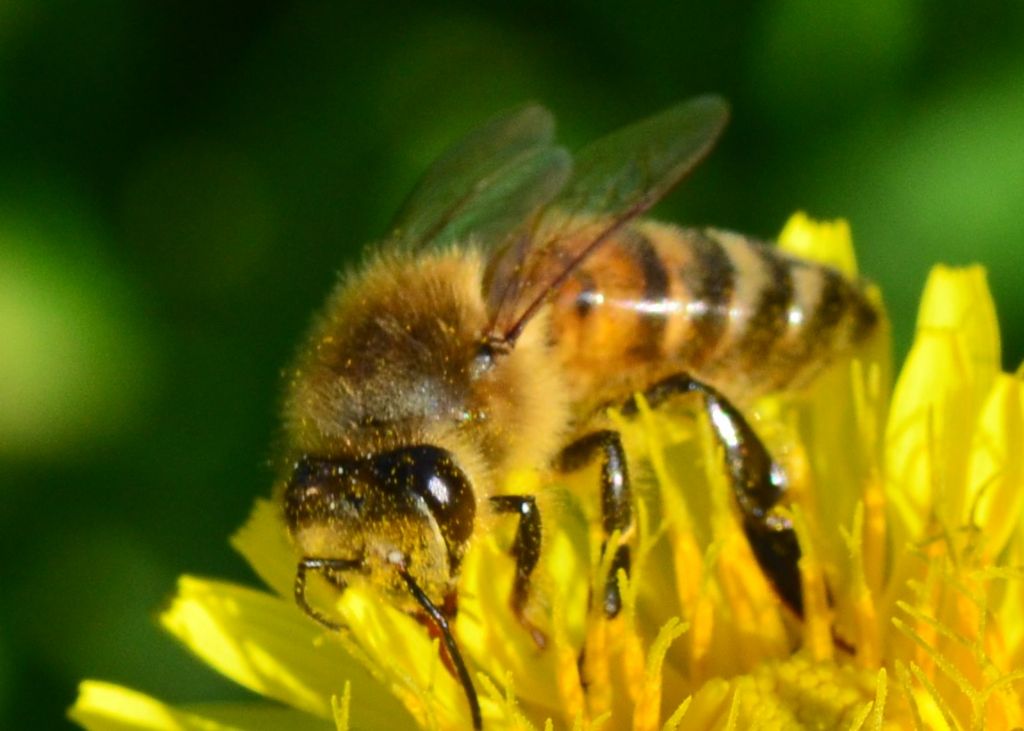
[732,312]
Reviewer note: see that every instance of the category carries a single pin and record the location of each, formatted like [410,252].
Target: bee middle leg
[616,501]
[758,484]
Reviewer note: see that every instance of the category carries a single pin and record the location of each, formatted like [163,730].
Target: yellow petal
[950,369]
[827,242]
[489,633]
[107,707]
[957,302]
[996,468]
[267,645]
[408,662]
[263,542]
[104,706]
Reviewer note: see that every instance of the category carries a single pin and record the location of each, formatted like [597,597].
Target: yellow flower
[910,512]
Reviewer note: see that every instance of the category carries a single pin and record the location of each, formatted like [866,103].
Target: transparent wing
[614,180]
[487,184]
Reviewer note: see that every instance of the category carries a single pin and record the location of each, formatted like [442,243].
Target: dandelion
[910,513]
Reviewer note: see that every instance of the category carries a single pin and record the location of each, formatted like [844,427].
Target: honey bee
[520,294]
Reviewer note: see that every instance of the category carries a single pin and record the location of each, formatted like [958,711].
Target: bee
[520,294]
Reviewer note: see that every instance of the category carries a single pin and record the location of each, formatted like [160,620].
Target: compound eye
[306,473]
[320,488]
[432,474]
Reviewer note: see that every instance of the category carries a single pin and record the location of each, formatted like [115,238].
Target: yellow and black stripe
[725,308]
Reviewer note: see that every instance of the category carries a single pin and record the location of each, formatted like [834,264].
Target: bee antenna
[441,621]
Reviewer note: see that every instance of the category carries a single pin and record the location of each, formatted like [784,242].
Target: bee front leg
[758,484]
[526,552]
[320,564]
[616,501]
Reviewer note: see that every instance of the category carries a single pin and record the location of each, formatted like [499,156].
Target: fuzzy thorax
[390,363]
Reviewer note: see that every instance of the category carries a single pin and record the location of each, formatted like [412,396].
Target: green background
[180,182]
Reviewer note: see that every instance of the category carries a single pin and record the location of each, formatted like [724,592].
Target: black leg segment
[331,567]
[525,551]
[758,484]
[616,500]
[441,621]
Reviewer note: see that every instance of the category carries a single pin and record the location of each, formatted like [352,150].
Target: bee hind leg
[526,552]
[616,505]
[758,483]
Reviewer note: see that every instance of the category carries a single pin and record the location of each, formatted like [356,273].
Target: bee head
[409,508]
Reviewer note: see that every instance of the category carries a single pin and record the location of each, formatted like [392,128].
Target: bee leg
[320,564]
[526,552]
[441,622]
[758,484]
[616,505]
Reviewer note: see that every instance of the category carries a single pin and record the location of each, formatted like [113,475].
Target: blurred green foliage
[180,182]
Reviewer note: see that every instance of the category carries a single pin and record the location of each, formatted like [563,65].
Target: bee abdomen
[784,317]
[727,309]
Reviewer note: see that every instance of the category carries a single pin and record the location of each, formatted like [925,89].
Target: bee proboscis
[520,294]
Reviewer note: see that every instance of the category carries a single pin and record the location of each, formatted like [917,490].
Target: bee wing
[487,184]
[614,180]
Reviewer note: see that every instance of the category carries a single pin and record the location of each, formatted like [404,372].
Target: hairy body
[395,361]
[519,295]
